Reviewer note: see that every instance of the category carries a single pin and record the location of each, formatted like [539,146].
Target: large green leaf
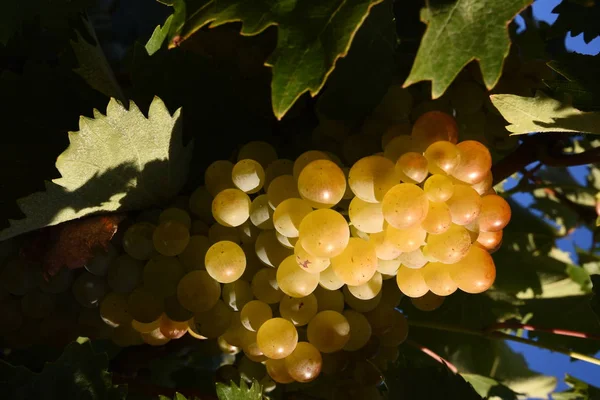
[459,31]
[544,114]
[118,161]
[312,35]
[578,390]
[242,392]
[486,386]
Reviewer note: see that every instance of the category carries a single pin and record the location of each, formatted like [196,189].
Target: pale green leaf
[544,114]
[158,36]
[579,390]
[242,392]
[118,161]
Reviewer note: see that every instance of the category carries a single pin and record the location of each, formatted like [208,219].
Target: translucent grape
[261,214]
[198,292]
[277,338]
[369,289]
[193,256]
[293,280]
[412,167]
[217,177]
[324,233]
[218,232]
[265,287]
[485,185]
[199,227]
[142,327]
[162,274]
[438,188]
[399,145]
[125,274]
[308,262]
[413,259]
[428,302]
[225,261]
[278,371]
[388,267]
[282,188]
[476,272]
[329,279]
[289,214]
[358,304]
[170,238]
[465,205]
[385,248]
[490,241]
[329,299]
[89,289]
[102,259]
[357,264]
[214,322]
[277,168]
[358,146]
[443,157]
[434,126]
[370,178]
[236,294]
[298,310]
[495,213]
[305,362]
[306,158]
[200,204]
[381,318]
[450,246]
[328,331]
[250,345]
[144,306]
[367,217]
[322,184]
[269,250]
[113,310]
[475,162]
[405,205]
[231,207]
[248,176]
[411,282]
[262,152]
[438,279]
[176,214]
[248,233]
[172,329]
[354,232]
[407,239]
[438,219]
[254,314]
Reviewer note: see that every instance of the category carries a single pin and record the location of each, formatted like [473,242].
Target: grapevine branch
[432,354]
[528,327]
[502,336]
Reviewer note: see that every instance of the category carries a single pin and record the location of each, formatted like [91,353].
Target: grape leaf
[158,36]
[458,32]
[118,161]
[311,36]
[242,392]
[579,390]
[544,114]
[486,386]
[577,19]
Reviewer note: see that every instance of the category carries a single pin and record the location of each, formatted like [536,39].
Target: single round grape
[388,267]
[412,167]
[60,282]
[218,232]
[261,214]
[289,214]
[198,292]
[397,333]
[225,261]
[329,279]
[407,239]
[231,207]
[475,162]
[262,152]
[113,310]
[125,274]
[399,145]
[286,241]
[306,158]
[176,214]
[438,188]
[369,289]
[172,329]
[438,219]
[443,157]
[298,310]
[450,246]
[385,248]
[381,318]
[200,204]
[161,275]
[212,323]
[217,177]
[248,176]
[175,310]
[324,233]
[413,259]
[236,294]
[293,280]
[193,256]
[155,337]
[278,371]
[485,185]
[171,238]
[37,304]
[89,289]
[328,331]
[277,168]
[144,306]
[305,362]
[235,331]
[360,330]
[308,262]
[428,302]
[438,279]
[370,178]
[476,272]
[269,250]
[357,264]
[254,314]
[495,213]
[465,205]
[329,299]
[322,184]
[102,259]
[405,205]
[282,188]
[367,217]
[277,338]
[250,344]
[434,126]
[411,282]
[490,241]
[265,287]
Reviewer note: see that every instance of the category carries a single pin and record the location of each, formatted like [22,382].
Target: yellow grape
[399,145]
[124,273]
[371,177]
[236,294]
[485,185]
[438,219]
[177,215]
[254,314]
[438,188]
[361,305]
[262,152]
[450,246]
[329,280]
[248,176]
[367,217]
[428,302]
[490,241]
[171,238]
[217,177]
[322,184]
[277,168]
[125,336]
[369,289]
[298,310]
[289,214]
[438,279]
[286,241]
[408,239]
[395,105]
[278,371]
[465,205]
[360,330]
[443,157]
[173,329]
[328,331]
[475,162]
[305,362]
[388,267]
[293,280]
[392,132]
[412,167]
[113,309]
[231,207]
[357,233]
[357,263]
[413,259]
[234,333]
[155,337]
[265,287]
[192,257]
[137,241]
[405,205]
[218,232]
[434,126]
[200,204]
[144,306]
[380,318]
[306,158]
[358,146]
[476,272]
[411,282]
[324,233]
[277,338]
[282,188]
[250,346]
[261,214]
[198,291]
[225,261]
[148,327]
[397,333]
[329,299]
[385,247]
[269,250]
[162,274]
[495,213]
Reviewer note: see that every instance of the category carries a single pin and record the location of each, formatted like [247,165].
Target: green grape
[248,233]
[388,267]
[277,338]
[490,241]
[198,292]
[322,184]
[407,239]
[99,264]
[360,330]
[282,188]
[213,322]
[262,152]
[324,233]
[161,275]
[428,302]
[437,278]
[395,105]
[261,214]
[385,248]
[308,262]
[289,214]
[269,250]
[465,205]
[144,306]
[304,363]
[369,289]
[357,264]
[254,314]
[181,202]
[200,204]
[328,331]
[380,318]
[438,219]
[450,246]
[371,177]
[199,227]
[412,167]
[405,205]
[225,261]
[18,277]
[175,214]
[89,289]
[37,304]
[236,294]
[218,232]
[495,213]
[250,345]
[113,310]
[390,292]
[475,162]
[231,207]
[248,176]
[357,233]
[253,263]
[277,168]
[278,372]
[265,287]
[175,311]
[306,158]
[192,258]
[285,241]
[171,238]
[399,145]
[298,310]
[361,305]
[438,188]
[411,282]
[217,177]
[125,274]
[443,157]
[60,282]
[293,280]
[485,186]
[475,273]
[366,217]
[397,333]
[329,279]
[250,370]
[434,126]
[334,363]
[413,259]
